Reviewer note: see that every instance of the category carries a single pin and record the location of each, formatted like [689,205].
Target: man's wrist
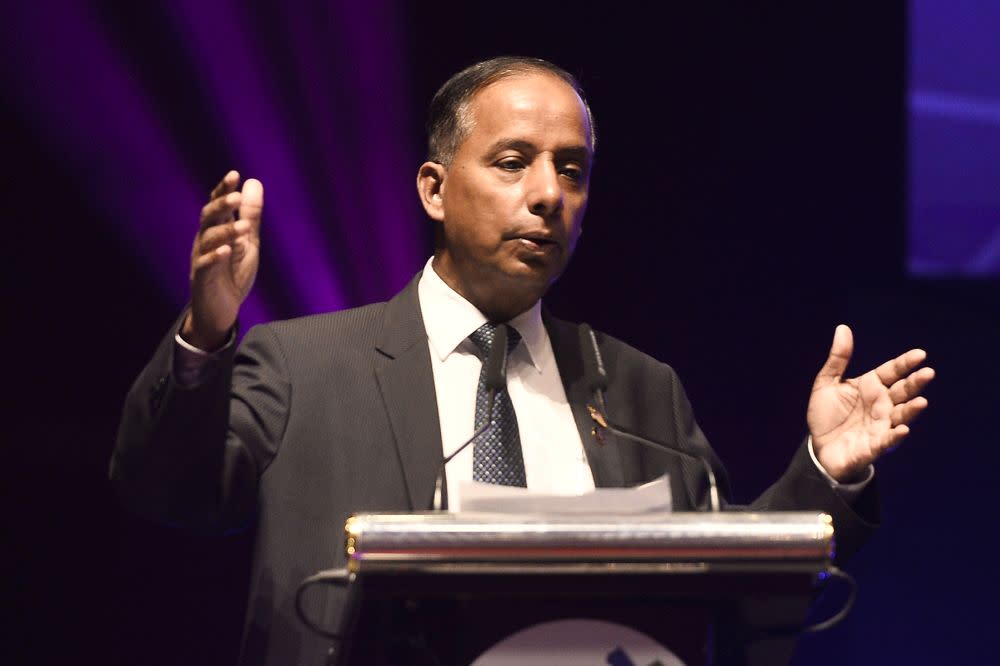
[198,341]
[192,366]
[858,481]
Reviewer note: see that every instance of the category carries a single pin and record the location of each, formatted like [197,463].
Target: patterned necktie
[496,454]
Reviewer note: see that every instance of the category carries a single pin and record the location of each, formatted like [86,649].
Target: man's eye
[510,164]
[572,172]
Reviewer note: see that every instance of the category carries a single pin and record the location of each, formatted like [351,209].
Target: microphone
[496,379]
[597,380]
[593,366]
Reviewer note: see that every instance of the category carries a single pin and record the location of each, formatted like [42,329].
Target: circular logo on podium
[575,642]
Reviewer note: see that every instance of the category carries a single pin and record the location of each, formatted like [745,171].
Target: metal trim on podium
[722,588]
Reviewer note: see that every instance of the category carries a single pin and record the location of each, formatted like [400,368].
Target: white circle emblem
[575,642]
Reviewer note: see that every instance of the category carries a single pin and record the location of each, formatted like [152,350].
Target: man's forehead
[529,98]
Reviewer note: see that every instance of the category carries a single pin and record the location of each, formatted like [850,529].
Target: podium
[729,588]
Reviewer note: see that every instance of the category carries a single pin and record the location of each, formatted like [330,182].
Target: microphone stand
[597,378]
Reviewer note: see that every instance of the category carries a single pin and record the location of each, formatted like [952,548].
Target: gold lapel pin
[600,423]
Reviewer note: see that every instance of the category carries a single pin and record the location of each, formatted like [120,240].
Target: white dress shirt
[554,459]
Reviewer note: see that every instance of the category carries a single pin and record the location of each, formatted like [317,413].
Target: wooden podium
[714,588]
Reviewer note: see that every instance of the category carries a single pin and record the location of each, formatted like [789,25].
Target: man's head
[511,143]
[448,121]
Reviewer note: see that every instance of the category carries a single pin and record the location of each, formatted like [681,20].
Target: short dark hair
[447,119]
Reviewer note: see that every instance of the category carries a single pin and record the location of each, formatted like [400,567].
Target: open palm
[853,421]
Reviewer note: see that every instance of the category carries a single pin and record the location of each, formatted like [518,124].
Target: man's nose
[544,191]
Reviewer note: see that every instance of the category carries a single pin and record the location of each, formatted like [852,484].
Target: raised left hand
[854,421]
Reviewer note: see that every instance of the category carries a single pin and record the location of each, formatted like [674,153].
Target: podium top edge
[447,519]
[732,536]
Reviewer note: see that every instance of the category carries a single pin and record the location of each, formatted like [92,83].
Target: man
[317,418]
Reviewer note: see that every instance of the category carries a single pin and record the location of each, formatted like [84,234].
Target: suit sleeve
[193,456]
[803,488]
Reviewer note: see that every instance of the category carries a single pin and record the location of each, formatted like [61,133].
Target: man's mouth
[536,242]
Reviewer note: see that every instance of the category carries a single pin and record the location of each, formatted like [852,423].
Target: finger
[892,438]
[206,261]
[905,413]
[223,234]
[840,355]
[226,185]
[239,248]
[911,386]
[892,371]
[219,210]
[252,203]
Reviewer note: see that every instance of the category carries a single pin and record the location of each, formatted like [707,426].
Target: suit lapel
[406,381]
[605,459]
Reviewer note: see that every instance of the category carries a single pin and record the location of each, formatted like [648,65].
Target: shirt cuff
[192,366]
[847,491]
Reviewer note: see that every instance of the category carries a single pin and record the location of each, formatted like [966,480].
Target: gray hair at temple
[448,121]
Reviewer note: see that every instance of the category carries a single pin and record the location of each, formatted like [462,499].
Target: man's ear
[430,189]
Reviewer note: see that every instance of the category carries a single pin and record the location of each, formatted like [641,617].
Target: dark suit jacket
[316,418]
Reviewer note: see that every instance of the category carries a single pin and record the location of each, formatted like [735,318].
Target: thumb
[840,356]
[252,202]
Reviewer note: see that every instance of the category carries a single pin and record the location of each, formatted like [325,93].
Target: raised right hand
[224,260]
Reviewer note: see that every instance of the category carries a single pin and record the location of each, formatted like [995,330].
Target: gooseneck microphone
[496,380]
[597,381]
[593,366]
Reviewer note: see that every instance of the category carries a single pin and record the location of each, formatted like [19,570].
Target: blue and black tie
[496,454]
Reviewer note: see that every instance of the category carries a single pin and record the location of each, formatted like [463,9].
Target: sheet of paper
[649,497]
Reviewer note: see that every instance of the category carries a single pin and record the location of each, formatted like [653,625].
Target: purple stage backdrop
[954,108]
[310,102]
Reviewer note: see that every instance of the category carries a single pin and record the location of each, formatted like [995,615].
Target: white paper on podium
[647,498]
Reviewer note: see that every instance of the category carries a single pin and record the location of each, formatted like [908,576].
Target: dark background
[748,196]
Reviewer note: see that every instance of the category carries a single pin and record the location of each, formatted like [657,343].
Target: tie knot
[484,336]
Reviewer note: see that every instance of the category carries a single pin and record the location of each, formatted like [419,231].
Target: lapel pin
[597,432]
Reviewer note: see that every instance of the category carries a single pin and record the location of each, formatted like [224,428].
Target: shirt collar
[449,318]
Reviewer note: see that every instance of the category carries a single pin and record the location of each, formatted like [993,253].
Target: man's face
[513,198]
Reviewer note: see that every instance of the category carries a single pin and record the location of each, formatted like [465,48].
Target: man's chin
[511,288]
[534,274]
